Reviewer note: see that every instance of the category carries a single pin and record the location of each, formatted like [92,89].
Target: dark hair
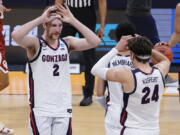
[140,46]
[124,29]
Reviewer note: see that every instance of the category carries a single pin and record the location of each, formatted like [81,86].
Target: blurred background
[23,11]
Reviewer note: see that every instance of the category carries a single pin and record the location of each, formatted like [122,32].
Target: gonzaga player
[49,78]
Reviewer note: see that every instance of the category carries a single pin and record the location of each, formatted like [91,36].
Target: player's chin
[55,37]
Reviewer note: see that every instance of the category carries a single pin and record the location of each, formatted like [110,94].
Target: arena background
[23,11]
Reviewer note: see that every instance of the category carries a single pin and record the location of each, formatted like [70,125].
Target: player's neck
[145,67]
[51,42]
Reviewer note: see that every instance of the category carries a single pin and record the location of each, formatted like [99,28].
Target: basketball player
[4,81]
[50,86]
[142,86]
[175,38]
[115,94]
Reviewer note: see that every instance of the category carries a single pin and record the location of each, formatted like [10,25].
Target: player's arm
[30,42]
[163,62]
[102,15]
[175,38]
[90,39]
[100,90]
[100,87]
[122,75]
[100,68]
[3,8]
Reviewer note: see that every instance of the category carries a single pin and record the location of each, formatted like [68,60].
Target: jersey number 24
[147,98]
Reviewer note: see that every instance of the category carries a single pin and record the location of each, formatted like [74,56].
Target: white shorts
[42,125]
[111,130]
[132,131]
[112,120]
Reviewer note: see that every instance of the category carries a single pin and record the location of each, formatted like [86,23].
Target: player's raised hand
[4,9]
[122,44]
[65,13]
[49,14]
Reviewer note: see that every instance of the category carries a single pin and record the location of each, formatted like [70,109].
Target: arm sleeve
[100,68]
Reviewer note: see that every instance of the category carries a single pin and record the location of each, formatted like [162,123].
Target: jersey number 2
[56,68]
[146,98]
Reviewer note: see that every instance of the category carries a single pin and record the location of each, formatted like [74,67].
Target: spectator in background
[175,38]
[84,11]
[139,13]
[4,80]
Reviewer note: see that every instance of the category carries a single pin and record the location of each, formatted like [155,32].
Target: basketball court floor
[86,120]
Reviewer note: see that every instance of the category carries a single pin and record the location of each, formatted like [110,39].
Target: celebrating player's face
[54,29]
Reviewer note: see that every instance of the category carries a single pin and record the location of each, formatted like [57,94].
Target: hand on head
[66,15]
[49,14]
[162,43]
[122,44]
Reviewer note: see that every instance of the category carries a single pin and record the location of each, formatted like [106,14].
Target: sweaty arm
[175,38]
[163,62]
[31,43]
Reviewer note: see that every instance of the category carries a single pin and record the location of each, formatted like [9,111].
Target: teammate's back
[141,106]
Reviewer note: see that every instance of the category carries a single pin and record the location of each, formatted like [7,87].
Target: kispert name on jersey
[49,80]
[141,106]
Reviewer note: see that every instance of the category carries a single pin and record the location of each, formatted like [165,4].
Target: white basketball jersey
[115,97]
[141,106]
[115,92]
[49,80]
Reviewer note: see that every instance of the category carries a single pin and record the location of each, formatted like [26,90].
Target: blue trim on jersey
[49,45]
[122,130]
[33,123]
[123,55]
[135,80]
[69,131]
[39,51]
[124,113]
[31,87]
[65,43]
[139,70]
[163,78]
